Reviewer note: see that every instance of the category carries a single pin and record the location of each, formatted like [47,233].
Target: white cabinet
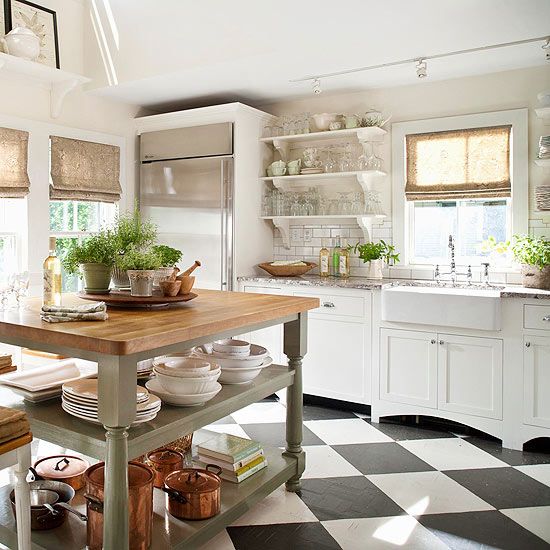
[470,375]
[536,365]
[408,367]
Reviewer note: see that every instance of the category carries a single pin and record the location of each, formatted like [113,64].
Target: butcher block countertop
[129,331]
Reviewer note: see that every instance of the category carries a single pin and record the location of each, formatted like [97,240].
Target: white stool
[18,452]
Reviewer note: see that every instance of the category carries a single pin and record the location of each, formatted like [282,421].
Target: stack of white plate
[544,147]
[144,369]
[542,197]
[79,399]
[184,381]
[240,362]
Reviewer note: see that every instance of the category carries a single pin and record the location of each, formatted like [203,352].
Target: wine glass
[330,163]
[357,204]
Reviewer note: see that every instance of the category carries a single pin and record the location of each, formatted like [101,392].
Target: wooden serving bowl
[287,270]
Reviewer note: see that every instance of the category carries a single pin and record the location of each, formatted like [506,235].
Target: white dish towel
[95,311]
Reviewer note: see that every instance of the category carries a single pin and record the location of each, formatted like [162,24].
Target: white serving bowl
[189,373]
[185,364]
[232,347]
[257,356]
[181,400]
[242,375]
[323,120]
[178,355]
[187,386]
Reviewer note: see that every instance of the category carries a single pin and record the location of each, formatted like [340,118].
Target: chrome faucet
[453,264]
[453,273]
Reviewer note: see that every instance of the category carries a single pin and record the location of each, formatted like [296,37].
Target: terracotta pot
[164,462]
[533,277]
[194,493]
[97,278]
[65,468]
[140,505]
[187,282]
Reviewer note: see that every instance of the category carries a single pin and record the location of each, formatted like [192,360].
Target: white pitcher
[22,42]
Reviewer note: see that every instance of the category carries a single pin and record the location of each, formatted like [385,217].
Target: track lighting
[546,48]
[421,68]
[316,86]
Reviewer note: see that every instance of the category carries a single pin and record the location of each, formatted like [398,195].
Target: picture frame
[42,21]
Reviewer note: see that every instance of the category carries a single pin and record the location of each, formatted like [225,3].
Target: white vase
[22,42]
[375,269]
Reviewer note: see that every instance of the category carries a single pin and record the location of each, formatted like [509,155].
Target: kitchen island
[129,336]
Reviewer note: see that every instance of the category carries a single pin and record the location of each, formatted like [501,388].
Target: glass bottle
[336,257]
[52,277]
[324,260]
[343,260]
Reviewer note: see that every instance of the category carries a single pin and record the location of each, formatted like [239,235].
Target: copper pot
[140,505]
[163,462]
[65,468]
[194,493]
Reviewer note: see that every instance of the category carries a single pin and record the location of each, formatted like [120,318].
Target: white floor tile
[346,431]
[233,429]
[451,454]
[536,519]
[540,472]
[420,493]
[259,413]
[279,507]
[324,461]
[382,534]
[222,541]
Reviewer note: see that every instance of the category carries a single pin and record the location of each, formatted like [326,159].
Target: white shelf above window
[59,82]
[366,179]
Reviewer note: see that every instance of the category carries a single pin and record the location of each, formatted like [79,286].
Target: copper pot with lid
[65,468]
[164,461]
[194,493]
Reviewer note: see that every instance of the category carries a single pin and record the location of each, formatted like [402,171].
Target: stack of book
[238,458]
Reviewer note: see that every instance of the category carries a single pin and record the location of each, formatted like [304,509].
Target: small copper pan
[65,468]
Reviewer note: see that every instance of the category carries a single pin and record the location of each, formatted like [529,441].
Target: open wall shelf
[366,179]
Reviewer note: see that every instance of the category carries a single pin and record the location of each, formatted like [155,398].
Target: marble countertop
[361,283]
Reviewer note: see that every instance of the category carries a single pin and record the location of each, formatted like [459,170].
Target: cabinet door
[334,365]
[270,338]
[470,375]
[408,367]
[536,361]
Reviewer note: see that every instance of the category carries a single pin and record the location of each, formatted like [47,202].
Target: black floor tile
[403,432]
[274,434]
[511,457]
[481,530]
[382,458]
[503,487]
[284,536]
[347,498]
[314,412]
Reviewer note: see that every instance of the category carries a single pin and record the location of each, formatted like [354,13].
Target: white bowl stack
[184,381]
[240,362]
[80,399]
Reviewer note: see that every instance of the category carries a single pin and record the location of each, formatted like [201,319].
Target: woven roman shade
[84,170]
[14,180]
[459,164]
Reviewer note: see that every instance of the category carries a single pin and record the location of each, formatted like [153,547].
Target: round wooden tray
[123,298]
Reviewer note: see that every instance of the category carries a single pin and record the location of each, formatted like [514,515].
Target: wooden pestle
[188,272]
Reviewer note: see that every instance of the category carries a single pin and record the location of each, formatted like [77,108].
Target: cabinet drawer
[348,306]
[537,317]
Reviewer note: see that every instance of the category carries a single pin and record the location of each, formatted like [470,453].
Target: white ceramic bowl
[189,373]
[232,347]
[187,386]
[163,358]
[257,356]
[185,364]
[242,375]
[181,400]
[323,120]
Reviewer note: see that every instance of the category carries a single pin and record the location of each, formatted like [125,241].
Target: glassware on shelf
[374,161]
[323,208]
[358,203]
[330,165]
[334,207]
[295,207]
[311,159]
[267,203]
[374,204]
[344,204]
[363,159]
[345,160]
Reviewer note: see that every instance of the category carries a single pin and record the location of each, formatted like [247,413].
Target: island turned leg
[295,344]
[117,410]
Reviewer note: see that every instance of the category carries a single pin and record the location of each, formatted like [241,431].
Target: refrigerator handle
[227,225]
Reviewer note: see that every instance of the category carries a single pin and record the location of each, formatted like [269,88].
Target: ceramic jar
[375,269]
[22,42]
[141,282]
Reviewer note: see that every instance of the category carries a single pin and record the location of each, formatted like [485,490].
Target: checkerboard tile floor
[393,485]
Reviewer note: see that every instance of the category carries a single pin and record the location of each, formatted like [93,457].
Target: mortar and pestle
[187,281]
[170,286]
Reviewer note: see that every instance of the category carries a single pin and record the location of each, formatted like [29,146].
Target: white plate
[142,408]
[95,420]
[87,389]
[180,400]
[93,415]
[39,396]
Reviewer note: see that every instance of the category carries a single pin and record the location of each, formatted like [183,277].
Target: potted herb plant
[169,258]
[93,259]
[533,253]
[375,255]
[140,265]
[131,231]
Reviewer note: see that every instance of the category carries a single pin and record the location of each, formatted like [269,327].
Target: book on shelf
[236,476]
[229,448]
[231,466]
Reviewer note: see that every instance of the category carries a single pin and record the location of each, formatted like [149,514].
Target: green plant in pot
[93,259]
[140,265]
[533,253]
[169,258]
[375,255]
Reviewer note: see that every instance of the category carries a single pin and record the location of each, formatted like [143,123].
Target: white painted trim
[518,118]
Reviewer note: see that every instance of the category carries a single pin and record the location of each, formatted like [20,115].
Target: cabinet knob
[547,318]
[527,344]
[328,304]
[433,342]
[441,342]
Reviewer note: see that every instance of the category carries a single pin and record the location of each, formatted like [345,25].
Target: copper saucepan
[65,468]
[164,462]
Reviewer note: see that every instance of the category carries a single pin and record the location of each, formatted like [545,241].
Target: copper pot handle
[94,503]
[175,495]
[36,475]
[64,461]
[217,471]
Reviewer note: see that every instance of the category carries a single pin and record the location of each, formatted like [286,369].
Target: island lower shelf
[51,423]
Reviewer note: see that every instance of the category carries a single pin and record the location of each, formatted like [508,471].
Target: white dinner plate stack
[542,197]
[544,147]
[240,362]
[79,399]
[144,369]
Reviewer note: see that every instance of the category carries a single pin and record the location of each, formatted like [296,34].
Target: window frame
[519,164]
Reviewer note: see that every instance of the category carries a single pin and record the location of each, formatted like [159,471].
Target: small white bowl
[257,356]
[198,366]
[181,400]
[187,386]
[233,347]
[242,375]
[189,373]
[323,120]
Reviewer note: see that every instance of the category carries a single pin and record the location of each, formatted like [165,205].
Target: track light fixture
[546,48]
[421,68]
[316,86]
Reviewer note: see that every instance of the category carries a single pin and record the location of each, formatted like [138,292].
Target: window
[462,176]
[74,221]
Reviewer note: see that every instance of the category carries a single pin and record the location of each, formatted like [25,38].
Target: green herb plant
[132,231]
[135,258]
[97,249]
[375,251]
[169,256]
[531,250]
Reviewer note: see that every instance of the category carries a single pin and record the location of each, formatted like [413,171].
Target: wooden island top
[129,331]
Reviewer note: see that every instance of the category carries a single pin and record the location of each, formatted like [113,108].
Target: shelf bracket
[283,147]
[283,225]
[58,93]
[366,223]
[368,179]
[279,183]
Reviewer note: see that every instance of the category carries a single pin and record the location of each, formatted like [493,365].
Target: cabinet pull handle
[441,342]
[328,304]
[547,318]
[527,344]
[433,342]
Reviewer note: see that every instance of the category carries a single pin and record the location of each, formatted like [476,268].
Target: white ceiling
[177,52]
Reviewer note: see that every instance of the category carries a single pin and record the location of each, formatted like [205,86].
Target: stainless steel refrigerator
[186,188]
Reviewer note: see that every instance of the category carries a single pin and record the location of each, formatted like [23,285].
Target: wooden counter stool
[18,452]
